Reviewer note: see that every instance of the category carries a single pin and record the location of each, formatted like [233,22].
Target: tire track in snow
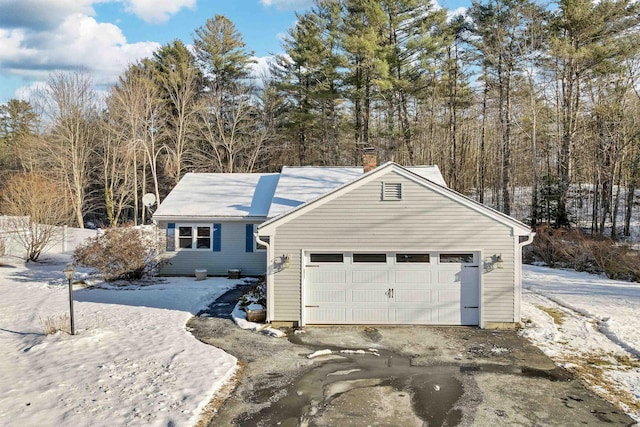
[601,323]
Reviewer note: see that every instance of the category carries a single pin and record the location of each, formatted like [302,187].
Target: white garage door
[392,287]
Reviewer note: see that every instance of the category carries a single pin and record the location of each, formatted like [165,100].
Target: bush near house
[575,249]
[120,253]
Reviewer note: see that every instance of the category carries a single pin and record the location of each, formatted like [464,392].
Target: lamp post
[69,271]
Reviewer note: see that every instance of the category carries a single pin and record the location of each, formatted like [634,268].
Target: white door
[392,287]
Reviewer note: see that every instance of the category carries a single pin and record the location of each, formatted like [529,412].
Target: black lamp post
[69,271]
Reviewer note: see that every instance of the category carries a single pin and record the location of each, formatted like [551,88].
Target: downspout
[268,276]
[521,245]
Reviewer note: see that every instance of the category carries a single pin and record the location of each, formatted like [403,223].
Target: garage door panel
[421,277]
[413,295]
[326,315]
[449,276]
[327,277]
[448,295]
[367,276]
[448,315]
[328,295]
[414,315]
[370,315]
[368,295]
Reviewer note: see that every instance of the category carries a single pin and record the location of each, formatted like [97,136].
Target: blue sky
[103,36]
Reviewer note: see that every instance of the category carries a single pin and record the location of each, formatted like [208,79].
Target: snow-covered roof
[241,195]
[200,195]
[298,185]
[431,172]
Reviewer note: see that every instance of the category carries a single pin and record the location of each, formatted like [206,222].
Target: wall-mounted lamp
[499,262]
[285,261]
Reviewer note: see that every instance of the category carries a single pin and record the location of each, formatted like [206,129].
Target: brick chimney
[369,159]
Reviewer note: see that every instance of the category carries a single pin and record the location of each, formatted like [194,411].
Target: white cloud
[41,14]
[157,11]
[287,4]
[26,93]
[80,42]
[41,36]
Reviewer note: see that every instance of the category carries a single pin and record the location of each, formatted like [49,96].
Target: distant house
[393,245]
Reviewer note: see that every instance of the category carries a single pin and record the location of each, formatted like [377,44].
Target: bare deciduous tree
[69,105]
[37,207]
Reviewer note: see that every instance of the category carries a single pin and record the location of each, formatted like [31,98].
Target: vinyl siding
[422,221]
[232,254]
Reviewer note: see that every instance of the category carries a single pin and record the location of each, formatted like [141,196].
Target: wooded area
[513,100]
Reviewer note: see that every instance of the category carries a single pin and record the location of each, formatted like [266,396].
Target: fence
[66,240]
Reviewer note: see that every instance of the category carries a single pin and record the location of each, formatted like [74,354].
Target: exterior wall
[232,254]
[422,221]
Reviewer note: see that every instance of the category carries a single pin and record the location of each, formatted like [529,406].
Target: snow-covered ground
[131,362]
[589,325]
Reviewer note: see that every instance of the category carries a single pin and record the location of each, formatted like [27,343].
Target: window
[369,257]
[326,258]
[185,237]
[456,258]
[421,258]
[203,238]
[195,237]
[391,191]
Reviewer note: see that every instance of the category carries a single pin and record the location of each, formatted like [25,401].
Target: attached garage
[394,247]
[402,287]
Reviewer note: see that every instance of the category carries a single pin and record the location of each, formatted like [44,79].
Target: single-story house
[392,245]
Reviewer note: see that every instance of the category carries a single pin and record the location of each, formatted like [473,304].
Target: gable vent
[391,191]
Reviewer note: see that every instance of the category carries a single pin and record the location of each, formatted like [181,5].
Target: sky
[38,37]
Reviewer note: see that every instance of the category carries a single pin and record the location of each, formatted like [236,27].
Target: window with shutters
[194,237]
[391,191]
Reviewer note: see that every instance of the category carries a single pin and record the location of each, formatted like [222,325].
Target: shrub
[120,253]
[575,249]
[256,295]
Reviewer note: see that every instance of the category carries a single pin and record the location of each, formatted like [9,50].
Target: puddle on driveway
[435,392]
[360,389]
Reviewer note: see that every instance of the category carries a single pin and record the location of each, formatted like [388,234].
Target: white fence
[66,241]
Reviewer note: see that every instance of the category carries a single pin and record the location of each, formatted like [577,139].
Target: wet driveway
[396,376]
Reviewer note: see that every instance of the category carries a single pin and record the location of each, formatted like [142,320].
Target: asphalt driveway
[398,376]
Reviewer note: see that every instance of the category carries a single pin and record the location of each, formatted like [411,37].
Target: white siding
[422,221]
[232,255]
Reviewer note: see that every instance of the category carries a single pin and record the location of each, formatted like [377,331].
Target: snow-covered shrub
[121,253]
[256,295]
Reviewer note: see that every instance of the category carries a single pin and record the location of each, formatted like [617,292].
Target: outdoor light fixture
[285,261]
[69,271]
[499,262]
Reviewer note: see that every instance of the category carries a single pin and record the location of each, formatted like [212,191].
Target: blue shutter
[248,238]
[217,237]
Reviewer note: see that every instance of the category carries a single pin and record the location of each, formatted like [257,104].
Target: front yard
[131,362]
